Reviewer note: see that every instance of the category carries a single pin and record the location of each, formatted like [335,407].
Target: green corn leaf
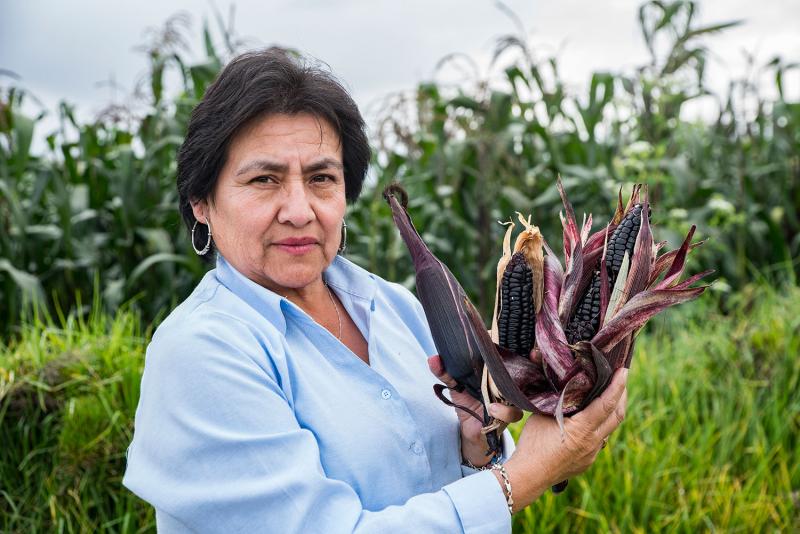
[23,136]
[29,284]
[155,259]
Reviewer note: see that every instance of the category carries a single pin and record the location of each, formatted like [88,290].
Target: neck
[313,296]
[319,303]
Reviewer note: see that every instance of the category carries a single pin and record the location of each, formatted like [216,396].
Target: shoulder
[395,294]
[396,303]
[213,328]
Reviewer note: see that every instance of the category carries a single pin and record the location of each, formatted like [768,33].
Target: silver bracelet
[509,496]
[494,459]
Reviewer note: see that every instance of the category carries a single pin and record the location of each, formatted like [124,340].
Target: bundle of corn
[557,335]
[591,312]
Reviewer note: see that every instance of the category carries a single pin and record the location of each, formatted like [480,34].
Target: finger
[436,366]
[617,415]
[604,405]
[506,414]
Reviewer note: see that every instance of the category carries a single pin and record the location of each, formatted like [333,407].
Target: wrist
[527,486]
[501,474]
[493,460]
[477,454]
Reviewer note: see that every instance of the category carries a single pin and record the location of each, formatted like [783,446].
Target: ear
[200,210]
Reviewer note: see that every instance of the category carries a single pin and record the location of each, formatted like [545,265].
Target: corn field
[93,254]
[97,209]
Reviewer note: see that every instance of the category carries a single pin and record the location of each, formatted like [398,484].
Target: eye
[323,178]
[263,179]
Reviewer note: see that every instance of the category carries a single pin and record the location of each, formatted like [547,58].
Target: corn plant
[470,155]
[99,203]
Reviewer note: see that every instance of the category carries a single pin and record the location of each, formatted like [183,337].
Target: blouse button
[386,394]
[416,448]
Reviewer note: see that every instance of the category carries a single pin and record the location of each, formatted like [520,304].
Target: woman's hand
[542,458]
[473,442]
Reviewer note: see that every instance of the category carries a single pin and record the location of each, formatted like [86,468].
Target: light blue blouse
[254,418]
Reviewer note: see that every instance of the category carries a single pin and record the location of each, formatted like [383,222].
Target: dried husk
[530,243]
[501,268]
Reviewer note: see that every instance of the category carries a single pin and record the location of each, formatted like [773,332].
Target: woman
[291,391]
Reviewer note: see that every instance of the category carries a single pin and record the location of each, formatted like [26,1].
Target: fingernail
[625,373]
[493,409]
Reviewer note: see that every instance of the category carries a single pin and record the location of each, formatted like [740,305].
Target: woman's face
[279,201]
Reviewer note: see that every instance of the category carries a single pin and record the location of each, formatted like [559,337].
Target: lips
[297,241]
[297,246]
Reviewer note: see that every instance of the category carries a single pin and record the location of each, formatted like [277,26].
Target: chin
[296,276]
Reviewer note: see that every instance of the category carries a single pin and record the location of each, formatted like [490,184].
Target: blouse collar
[341,274]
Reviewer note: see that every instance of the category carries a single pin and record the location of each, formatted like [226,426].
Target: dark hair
[254,85]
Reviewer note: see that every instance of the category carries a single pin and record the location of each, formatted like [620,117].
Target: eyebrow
[267,165]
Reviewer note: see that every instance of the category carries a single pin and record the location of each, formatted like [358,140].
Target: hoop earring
[205,249]
[343,244]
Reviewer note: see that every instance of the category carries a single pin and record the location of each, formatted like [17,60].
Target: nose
[295,206]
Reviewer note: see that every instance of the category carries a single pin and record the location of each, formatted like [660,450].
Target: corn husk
[557,378]
[579,372]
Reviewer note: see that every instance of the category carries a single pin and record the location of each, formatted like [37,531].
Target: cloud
[63,49]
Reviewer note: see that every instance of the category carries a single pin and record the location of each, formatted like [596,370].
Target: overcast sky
[62,49]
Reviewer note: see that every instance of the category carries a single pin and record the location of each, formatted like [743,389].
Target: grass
[67,399]
[710,442]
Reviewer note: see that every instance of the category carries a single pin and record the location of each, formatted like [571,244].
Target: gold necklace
[335,307]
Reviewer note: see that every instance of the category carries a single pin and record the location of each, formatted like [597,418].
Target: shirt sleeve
[217,448]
